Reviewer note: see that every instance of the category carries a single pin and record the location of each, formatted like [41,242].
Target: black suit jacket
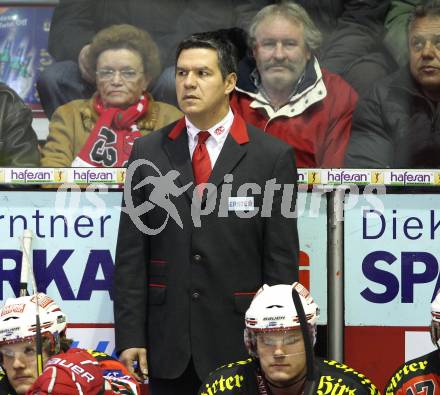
[183,292]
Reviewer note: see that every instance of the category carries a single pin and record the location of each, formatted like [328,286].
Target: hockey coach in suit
[207,218]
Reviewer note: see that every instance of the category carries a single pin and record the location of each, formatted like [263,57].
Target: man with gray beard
[284,91]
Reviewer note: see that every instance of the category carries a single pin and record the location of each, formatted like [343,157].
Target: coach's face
[202,92]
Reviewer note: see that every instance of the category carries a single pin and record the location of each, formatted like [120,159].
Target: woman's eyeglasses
[125,74]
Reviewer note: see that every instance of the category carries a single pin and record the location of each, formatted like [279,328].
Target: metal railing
[335,274]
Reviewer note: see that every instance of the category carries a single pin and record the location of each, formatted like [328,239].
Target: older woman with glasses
[99,132]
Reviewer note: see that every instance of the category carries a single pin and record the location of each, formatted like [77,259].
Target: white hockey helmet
[435,323]
[273,309]
[17,318]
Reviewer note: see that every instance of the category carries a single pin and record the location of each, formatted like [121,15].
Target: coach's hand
[135,356]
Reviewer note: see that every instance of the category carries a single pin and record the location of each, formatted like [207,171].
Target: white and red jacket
[316,121]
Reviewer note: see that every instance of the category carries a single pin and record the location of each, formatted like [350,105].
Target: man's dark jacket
[395,126]
[183,292]
[18,141]
[350,29]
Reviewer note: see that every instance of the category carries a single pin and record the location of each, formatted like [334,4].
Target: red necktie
[200,161]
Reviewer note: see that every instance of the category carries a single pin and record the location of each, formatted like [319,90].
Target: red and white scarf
[111,140]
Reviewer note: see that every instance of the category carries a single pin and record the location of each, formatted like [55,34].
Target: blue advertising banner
[73,247]
[23,48]
[392,260]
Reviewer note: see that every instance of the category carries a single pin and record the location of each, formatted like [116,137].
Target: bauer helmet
[18,319]
[273,309]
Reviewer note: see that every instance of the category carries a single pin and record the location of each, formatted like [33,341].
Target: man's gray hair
[428,8]
[294,12]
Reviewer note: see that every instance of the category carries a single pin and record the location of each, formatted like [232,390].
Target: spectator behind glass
[280,332]
[352,39]
[99,132]
[75,22]
[424,371]
[396,26]
[398,124]
[284,90]
[18,141]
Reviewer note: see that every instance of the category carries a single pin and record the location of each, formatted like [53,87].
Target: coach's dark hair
[226,51]
[425,9]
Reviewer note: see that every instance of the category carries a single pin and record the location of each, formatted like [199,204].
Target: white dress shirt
[215,141]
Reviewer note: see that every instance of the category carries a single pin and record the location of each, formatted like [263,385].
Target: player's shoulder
[99,355]
[334,375]
[424,367]
[229,378]
[236,365]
